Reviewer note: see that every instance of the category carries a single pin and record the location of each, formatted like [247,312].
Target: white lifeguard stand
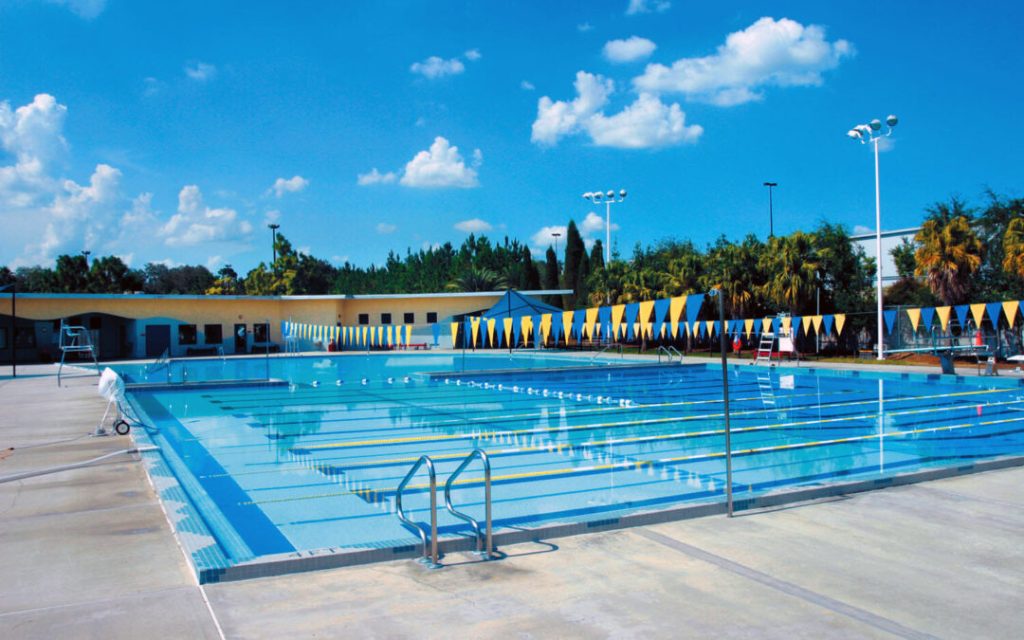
[75,339]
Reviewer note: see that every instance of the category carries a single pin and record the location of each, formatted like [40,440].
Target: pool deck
[89,553]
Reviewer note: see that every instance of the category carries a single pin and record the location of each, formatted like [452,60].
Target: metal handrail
[431,558]
[484,541]
[669,352]
[606,348]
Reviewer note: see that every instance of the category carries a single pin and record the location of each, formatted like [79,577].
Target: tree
[1013,243]
[226,284]
[597,256]
[477,279]
[109,274]
[575,255]
[36,280]
[903,255]
[948,252]
[72,274]
[793,267]
[551,276]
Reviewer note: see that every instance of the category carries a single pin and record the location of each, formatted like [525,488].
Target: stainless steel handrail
[606,348]
[484,541]
[431,558]
[669,352]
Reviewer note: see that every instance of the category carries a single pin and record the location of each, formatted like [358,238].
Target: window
[261,332]
[431,317]
[25,338]
[364,318]
[410,318]
[213,333]
[186,334]
[385,318]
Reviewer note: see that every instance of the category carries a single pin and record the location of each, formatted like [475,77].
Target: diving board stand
[75,339]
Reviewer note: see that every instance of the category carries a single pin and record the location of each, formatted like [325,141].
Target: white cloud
[629,50]
[213,263]
[591,228]
[339,259]
[544,238]
[473,54]
[526,85]
[386,227]
[85,9]
[593,224]
[290,185]
[151,86]
[556,119]
[435,67]
[767,53]
[195,223]
[440,166]
[375,177]
[201,71]
[648,122]
[33,131]
[584,27]
[473,225]
[647,6]
[271,216]
[645,123]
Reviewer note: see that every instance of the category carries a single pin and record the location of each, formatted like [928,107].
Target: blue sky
[176,131]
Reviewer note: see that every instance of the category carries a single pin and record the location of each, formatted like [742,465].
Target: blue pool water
[313,464]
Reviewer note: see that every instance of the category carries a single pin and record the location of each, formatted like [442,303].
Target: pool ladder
[484,538]
[670,352]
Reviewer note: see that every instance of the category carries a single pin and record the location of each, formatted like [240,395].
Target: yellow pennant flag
[817,323]
[617,311]
[567,324]
[748,327]
[646,308]
[978,311]
[766,325]
[675,310]
[806,322]
[408,334]
[710,326]
[455,332]
[525,328]
[545,327]
[365,333]
[474,329]
[591,319]
[915,318]
[840,321]
[787,322]
[664,330]
[491,322]
[1010,309]
[389,335]
[507,326]
[380,335]
[649,330]
[943,313]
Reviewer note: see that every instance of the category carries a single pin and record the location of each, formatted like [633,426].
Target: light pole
[865,133]
[609,199]
[556,236]
[87,253]
[273,234]
[771,213]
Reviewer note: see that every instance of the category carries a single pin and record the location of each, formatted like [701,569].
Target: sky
[176,132]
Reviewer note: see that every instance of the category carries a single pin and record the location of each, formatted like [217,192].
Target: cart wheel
[121,428]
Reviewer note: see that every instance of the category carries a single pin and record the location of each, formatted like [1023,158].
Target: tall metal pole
[273,234]
[771,212]
[725,404]
[14,312]
[878,252]
[608,233]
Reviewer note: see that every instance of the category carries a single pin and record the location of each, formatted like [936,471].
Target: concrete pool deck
[89,553]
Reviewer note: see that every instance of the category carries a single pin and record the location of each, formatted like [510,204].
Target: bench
[201,351]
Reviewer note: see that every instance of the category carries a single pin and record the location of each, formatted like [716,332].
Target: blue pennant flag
[927,315]
[700,329]
[632,310]
[579,318]
[661,308]
[961,313]
[604,318]
[794,326]
[994,309]
[693,304]
[827,321]
[556,327]
[776,324]
[890,319]
[515,329]
[437,334]
[536,331]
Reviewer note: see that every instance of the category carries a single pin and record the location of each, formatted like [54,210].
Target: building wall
[136,314]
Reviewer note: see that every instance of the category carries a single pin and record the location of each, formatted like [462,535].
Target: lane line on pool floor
[783,586]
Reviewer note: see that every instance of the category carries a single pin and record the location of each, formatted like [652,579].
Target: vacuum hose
[76,465]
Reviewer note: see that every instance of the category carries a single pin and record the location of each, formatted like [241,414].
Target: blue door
[158,338]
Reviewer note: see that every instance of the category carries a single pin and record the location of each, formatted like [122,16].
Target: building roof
[342,296]
[514,304]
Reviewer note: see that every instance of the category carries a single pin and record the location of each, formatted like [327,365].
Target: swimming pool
[305,464]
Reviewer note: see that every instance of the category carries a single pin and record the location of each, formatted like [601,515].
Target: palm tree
[477,279]
[949,253]
[640,284]
[1013,247]
[793,267]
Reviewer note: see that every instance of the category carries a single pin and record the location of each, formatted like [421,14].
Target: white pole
[608,234]
[878,252]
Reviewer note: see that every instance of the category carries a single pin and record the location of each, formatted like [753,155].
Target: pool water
[313,463]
